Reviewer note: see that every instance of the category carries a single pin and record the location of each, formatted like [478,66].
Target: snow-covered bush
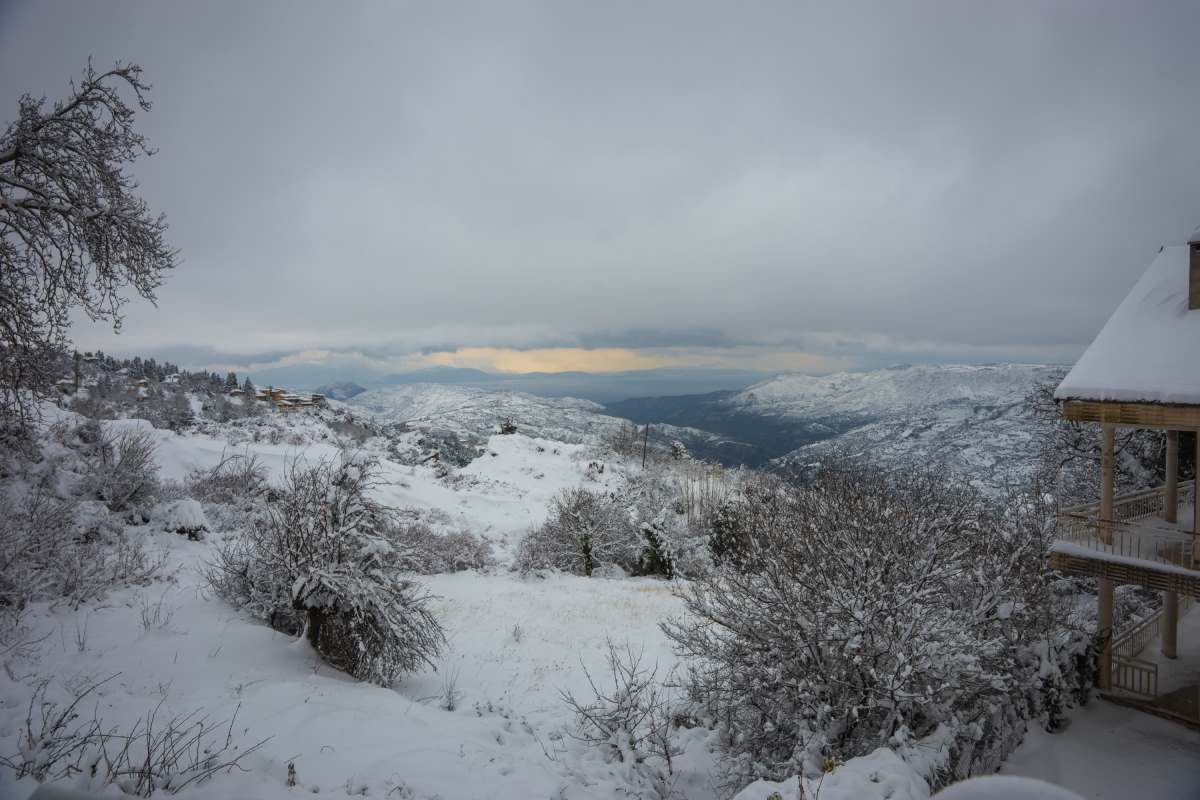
[628,719]
[429,552]
[233,479]
[59,549]
[670,545]
[320,559]
[639,527]
[585,530]
[122,469]
[865,611]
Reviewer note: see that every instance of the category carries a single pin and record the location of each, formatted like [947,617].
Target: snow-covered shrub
[122,469]
[232,480]
[348,428]
[585,530]
[429,552]
[702,489]
[628,719]
[186,517]
[320,558]
[865,611]
[733,526]
[638,526]
[58,744]
[56,549]
[670,546]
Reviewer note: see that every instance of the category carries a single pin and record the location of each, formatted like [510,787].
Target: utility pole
[645,441]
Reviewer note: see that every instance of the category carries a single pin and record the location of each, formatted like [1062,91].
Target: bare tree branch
[74,234]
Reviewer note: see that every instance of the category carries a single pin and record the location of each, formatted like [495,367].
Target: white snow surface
[1109,752]
[1005,787]
[514,645]
[1146,352]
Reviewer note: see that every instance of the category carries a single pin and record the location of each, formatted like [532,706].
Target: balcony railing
[1130,673]
[1137,529]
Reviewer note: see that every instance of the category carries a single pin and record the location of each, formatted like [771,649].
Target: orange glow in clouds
[548,359]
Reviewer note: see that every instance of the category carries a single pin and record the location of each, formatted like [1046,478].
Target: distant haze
[371,189]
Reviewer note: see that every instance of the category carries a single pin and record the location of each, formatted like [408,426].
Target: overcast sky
[768,185]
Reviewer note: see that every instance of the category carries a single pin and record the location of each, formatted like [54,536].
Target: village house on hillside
[1143,371]
[285,400]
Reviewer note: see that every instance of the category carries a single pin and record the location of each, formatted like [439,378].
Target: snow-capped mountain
[973,419]
[884,392]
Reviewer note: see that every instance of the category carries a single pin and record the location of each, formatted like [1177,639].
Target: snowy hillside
[973,419]
[473,414]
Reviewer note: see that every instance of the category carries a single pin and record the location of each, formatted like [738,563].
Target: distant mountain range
[973,419]
[598,387]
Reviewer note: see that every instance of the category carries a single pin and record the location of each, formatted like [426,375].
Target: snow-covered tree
[585,530]
[867,610]
[322,557]
[73,232]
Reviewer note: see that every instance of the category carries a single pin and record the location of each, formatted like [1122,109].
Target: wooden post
[1170,617]
[1171,512]
[1104,624]
[1107,482]
[1196,507]
[1104,617]
[645,441]
[1170,624]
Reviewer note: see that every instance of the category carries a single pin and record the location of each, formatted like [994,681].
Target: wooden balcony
[1136,546]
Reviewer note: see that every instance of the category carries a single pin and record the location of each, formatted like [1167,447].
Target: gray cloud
[402,178]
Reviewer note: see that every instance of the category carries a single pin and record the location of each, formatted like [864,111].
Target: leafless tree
[73,231]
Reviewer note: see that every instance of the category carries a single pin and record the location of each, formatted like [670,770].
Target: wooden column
[1196,507]
[1170,618]
[1104,617]
[1107,483]
[1171,513]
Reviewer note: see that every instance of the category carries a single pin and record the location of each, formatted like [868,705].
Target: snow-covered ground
[1110,752]
[490,720]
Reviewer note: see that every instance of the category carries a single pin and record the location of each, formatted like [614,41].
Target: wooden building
[1141,371]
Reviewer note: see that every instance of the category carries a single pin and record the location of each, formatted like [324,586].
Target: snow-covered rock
[185,516]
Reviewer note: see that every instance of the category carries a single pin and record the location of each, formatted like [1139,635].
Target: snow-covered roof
[1146,352]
